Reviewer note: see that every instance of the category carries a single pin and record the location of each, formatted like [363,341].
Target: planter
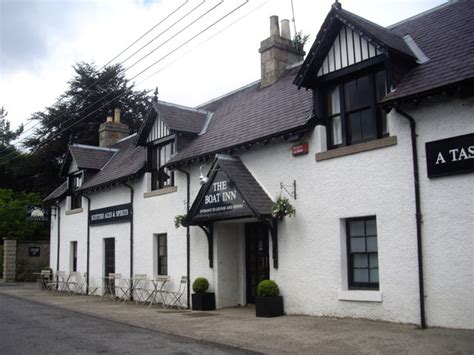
[204,301]
[269,306]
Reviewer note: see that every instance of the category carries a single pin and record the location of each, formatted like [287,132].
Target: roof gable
[343,27]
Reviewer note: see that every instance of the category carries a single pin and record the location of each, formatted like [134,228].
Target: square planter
[269,306]
[204,302]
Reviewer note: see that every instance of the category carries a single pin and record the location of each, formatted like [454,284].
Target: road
[31,328]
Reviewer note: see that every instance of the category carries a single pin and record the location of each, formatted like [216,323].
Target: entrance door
[109,263]
[256,257]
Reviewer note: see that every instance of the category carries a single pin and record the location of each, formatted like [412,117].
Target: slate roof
[257,202]
[250,114]
[89,157]
[177,118]
[57,193]
[128,162]
[446,36]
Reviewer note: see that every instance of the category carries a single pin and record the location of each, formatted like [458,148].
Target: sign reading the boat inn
[222,196]
[113,214]
[450,156]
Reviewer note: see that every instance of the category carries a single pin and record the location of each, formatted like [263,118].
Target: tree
[6,134]
[91,96]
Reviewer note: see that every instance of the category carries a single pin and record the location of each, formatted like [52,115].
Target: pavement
[239,328]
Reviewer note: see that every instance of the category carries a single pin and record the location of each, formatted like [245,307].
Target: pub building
[370,138]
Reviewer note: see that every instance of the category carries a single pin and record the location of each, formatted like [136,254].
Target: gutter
[188,242]
[59,233]
[131,232]
[416,181]
[88,241]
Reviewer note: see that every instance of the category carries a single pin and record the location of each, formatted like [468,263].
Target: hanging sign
[113,214]
[34,251]
[221,197]
[37,213]
[450,156]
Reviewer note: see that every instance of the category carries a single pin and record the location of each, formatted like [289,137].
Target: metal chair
[176,296]
[44,279]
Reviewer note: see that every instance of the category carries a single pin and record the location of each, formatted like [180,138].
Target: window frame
[74,256]
[375,108]
[352,285]
[160,256]
[157,168]
[75,181]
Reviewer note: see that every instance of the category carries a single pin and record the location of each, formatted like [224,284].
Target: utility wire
[143,71]
[110,61]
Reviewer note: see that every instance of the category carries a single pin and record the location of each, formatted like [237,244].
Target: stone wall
[24,258]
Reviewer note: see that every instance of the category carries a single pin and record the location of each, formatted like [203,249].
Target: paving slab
[238,327]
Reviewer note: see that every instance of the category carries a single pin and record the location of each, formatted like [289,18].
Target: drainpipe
[416,180]
[188,244]
[131,229]
[88,241]
[59,233]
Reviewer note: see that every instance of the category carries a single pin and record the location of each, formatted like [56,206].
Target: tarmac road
[32,328]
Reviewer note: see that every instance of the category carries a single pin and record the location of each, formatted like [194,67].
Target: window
[162,253]
[362,253]
[73,256]
[161,177]
[74,183]
[353,114]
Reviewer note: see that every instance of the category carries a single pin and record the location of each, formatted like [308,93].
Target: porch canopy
[230,193]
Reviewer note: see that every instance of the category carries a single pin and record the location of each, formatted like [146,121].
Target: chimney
[277,52]
[112,130]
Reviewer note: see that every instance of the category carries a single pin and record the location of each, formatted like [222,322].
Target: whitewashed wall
[448,226]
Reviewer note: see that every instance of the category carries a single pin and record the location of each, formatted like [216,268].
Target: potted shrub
[268,303]
[282,207]
[201,299]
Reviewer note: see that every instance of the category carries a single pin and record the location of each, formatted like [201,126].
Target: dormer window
[161,176]
[353,112]
[75,182]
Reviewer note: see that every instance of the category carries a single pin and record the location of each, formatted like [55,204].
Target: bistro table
[158,290]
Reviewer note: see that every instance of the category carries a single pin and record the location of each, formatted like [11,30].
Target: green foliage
[6,134]
[200,285]
[267,288]
[13,222]
[179,220]
[282,207]
[300,40]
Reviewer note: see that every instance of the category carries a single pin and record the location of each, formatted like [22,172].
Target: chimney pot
[117,115]
[274,26]
[285,29]
[110,119]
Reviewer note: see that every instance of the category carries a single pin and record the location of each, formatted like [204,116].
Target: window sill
[74,211]
[360,296]
[357,148]
[164,191]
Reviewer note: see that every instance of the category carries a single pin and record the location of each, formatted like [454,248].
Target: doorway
[109,263]
[256,257]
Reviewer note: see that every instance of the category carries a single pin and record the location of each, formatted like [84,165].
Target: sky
[40,41]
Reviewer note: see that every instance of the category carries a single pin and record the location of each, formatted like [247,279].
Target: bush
[200,285]
[267,288]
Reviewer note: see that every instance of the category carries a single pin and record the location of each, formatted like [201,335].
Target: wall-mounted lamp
[202,179]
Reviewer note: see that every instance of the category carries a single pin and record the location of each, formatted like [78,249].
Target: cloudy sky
[40,40]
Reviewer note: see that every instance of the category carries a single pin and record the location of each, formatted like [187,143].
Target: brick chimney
[112,130]
[277,52]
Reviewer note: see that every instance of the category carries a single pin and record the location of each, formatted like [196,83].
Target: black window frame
[161,177]
[378,116]
[74,255]
[353,285]
[162,254]
[75,181]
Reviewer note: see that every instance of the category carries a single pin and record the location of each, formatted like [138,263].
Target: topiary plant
[267,288]
[200,285]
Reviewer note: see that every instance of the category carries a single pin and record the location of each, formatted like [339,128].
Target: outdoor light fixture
[202,179]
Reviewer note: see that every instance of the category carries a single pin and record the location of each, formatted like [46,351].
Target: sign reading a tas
[450,156]
[113,214]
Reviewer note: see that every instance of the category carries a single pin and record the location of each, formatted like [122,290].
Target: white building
[384,108]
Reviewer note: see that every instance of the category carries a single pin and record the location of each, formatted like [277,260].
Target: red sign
[300,149]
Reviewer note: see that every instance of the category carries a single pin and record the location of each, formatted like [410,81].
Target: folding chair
[72,281]
[57,282]
[175,300]
[44,279]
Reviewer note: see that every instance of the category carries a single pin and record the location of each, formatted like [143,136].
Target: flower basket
[281,208]
[180,220]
